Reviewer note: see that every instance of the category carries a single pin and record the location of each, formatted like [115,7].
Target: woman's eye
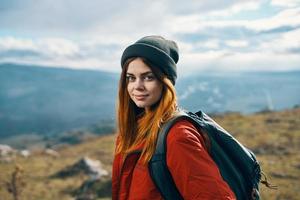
[130,78]
[149,77]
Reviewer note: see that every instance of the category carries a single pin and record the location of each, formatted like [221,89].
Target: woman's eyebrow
[143,74]
[147,73]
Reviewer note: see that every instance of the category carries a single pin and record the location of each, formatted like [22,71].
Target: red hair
[136,126]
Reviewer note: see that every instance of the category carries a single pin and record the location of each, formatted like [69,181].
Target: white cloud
[205,7]
[283,43]
[11,43]
[236,8]
[192,62]
[58,47]
[259,61]
[223,61]
[49,47]
[237,43]
[93,34]
[58,52]
[285,3]
[196,23]
[211,44]
[288,17]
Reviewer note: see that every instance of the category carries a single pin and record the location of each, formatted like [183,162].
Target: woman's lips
[140,97]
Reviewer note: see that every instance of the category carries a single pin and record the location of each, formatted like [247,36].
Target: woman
[147,99]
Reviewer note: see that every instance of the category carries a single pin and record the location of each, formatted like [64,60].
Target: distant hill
[47,101]
[51,100]
[245,92]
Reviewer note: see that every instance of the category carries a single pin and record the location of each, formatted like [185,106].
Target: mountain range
[51,100]
[47,100]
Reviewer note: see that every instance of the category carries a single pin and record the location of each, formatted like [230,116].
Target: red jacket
[193,170]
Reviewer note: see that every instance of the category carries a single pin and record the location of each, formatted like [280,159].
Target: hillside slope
[47,100]
[273,136]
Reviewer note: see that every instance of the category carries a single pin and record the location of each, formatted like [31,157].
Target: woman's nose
[139,84]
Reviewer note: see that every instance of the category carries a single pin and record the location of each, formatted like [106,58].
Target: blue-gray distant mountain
[50,100]
[245,92]
[44,100]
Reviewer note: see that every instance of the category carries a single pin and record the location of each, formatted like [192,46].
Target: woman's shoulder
[182,124]
[184,130]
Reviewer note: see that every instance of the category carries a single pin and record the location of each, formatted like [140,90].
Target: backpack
[237,164]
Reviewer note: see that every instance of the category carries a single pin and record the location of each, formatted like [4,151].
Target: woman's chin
[140,105]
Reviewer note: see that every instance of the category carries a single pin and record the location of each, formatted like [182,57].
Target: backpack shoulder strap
[158,168]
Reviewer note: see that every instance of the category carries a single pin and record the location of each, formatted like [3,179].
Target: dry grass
[274,137]
[39,167]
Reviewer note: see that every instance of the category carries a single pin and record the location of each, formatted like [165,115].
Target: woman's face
[142,85]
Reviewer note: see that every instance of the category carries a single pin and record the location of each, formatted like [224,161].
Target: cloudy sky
[211,34]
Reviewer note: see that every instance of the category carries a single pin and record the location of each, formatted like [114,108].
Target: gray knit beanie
[160,52]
